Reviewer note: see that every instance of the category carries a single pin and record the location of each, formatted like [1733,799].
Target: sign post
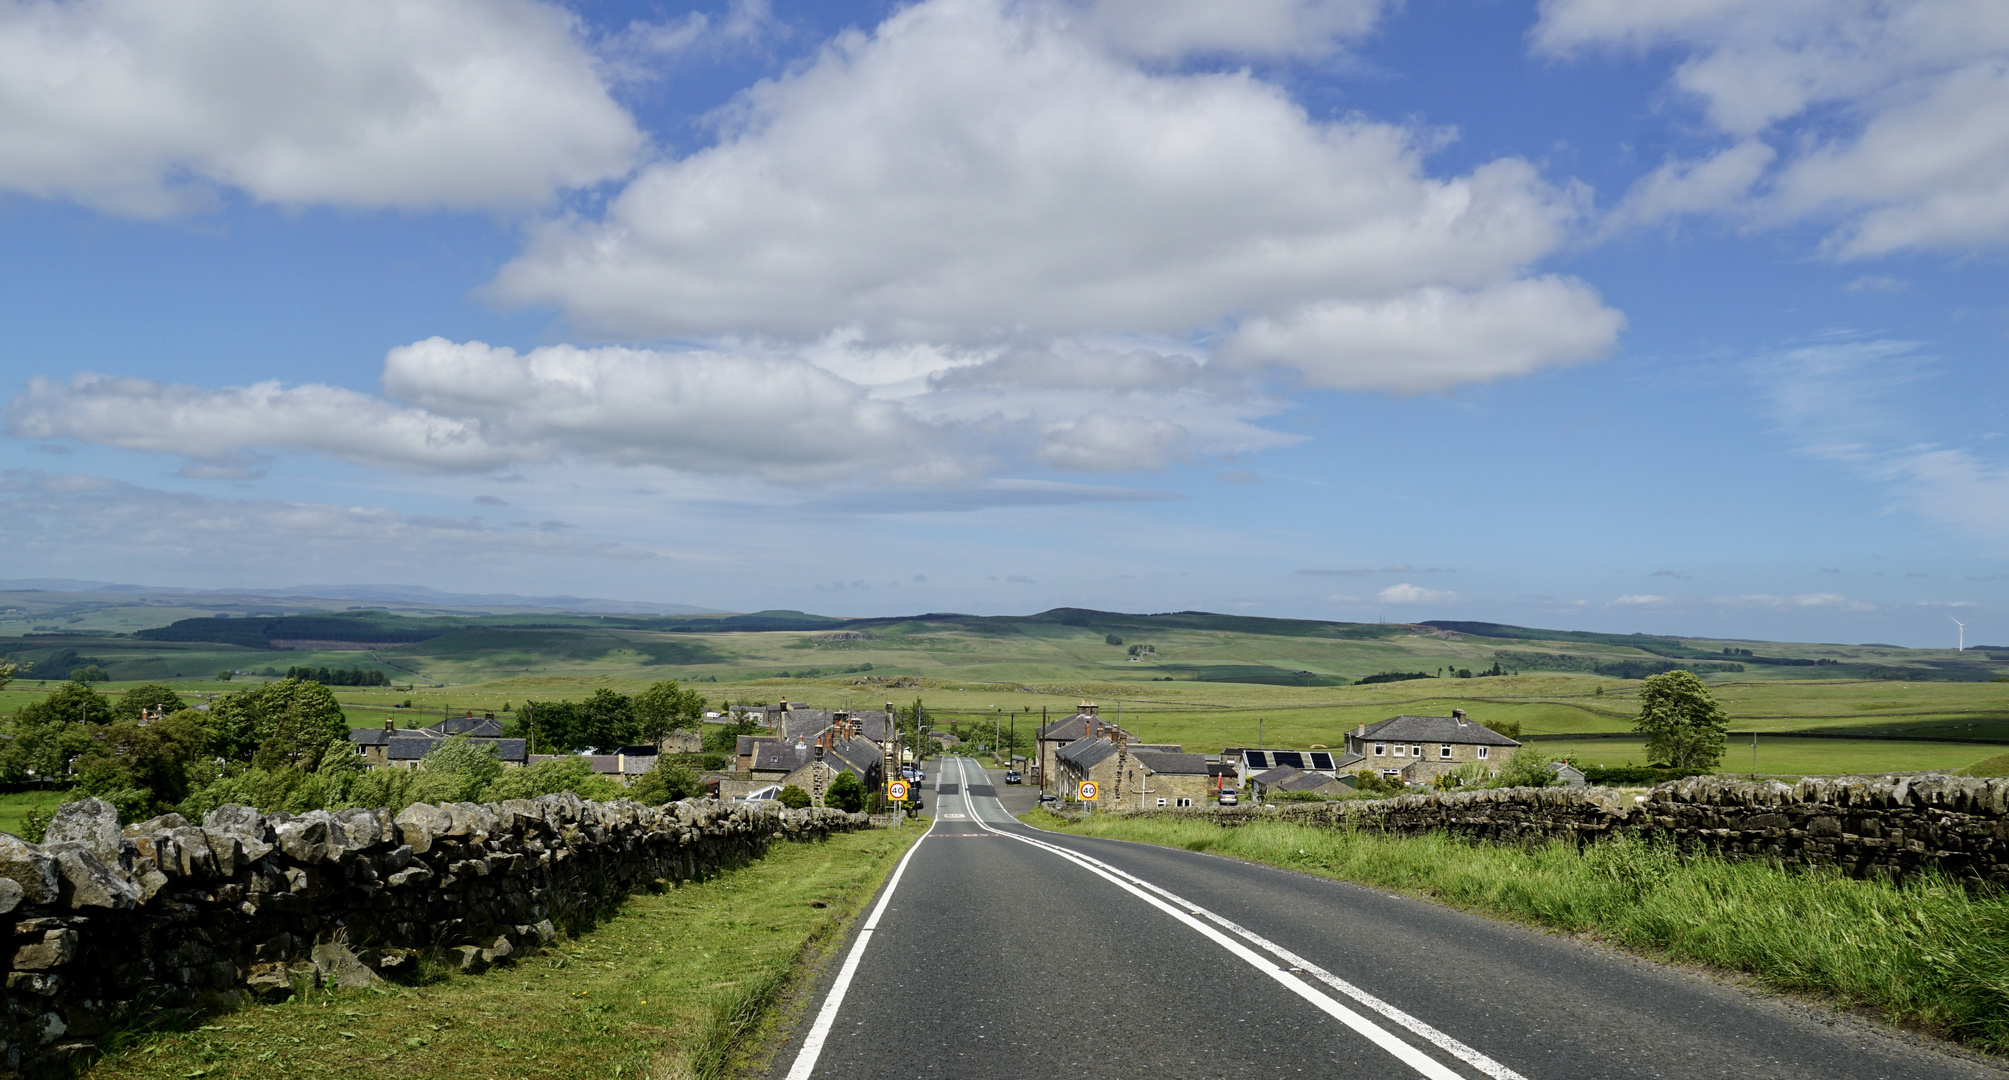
[896,791]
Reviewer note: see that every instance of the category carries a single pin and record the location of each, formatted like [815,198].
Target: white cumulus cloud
[1889,118]
[1173,28]
[973,173]
[1406,593]
[145,106]
[1640,599]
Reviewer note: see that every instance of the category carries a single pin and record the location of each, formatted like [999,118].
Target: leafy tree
[551,726]
[90,673]
[1112,639]
[1683,725]
[724,738]
[846,793]
[224,675]
[793,797]
[148,697]
[7,671]
[43,737]
[289,721]
[665,782]
[143,769]
[457,770]
[665,707]
[607,720]
[551,776]
[1528,767]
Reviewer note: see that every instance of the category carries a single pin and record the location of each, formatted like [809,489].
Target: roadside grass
[678,985]
[1926,953]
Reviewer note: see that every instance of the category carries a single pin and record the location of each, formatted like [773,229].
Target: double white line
[1191,915]
[1198,919]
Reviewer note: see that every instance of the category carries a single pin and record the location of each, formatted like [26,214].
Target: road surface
[1000,951]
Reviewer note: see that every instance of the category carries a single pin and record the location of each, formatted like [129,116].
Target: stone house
[1417,749]
[1173,780]
[1134,778]
[392,747]
[1050,738]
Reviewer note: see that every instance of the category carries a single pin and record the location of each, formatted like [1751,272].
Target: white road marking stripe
[1435,1037]
[812,1045]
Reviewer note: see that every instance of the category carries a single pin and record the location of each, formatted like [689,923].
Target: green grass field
[967,668]
[674,985]
[1783,755]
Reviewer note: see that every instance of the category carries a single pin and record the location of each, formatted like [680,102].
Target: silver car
[1229,798]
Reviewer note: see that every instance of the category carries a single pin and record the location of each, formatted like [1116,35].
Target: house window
[1482,753]
[1416,750]
[1381,749]
[1182,802]
[1444,751]
[1398,749]
[1161,802]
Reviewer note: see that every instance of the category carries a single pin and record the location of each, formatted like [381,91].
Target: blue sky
[1665,315]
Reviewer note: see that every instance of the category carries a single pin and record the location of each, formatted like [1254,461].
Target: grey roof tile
[1437,729]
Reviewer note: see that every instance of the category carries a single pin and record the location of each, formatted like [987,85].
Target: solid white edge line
[819,1032]
[1435,1037]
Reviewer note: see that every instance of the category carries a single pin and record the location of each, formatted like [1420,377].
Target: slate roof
[1437,729]
[1165,764]
[861,756]
[1285,778]
[1086,753]
[369,736]
[809,723]
[473,726]
[1261,758]
[744,744]
[782,757]
[407,747]
[1073,728]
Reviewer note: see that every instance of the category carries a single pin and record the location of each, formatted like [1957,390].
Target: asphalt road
[1001,951]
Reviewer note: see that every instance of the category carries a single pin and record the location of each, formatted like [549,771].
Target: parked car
[1229,798]
[1048,797]
[1012,777]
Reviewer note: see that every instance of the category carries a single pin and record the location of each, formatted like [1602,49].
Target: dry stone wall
[1887,826]
[166,918]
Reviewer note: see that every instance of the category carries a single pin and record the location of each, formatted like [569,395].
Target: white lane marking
[819,1033]
[1435,1037]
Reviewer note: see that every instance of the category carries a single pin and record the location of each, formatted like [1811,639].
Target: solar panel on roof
[1321,761]
[1288,757]
[1256,759]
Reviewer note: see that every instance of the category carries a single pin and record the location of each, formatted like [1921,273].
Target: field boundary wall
[1866,826]
[162,920]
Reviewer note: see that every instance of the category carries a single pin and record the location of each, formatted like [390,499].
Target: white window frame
[1399,748]
[1161,803]
[1415,749]
[1482,752]
[1444,752]
[1381,749]
[1182,802]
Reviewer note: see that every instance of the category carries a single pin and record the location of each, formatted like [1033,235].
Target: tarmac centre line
[1408,1054]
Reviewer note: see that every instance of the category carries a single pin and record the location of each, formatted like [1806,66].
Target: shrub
[793,797]
[666,781]
[847,793]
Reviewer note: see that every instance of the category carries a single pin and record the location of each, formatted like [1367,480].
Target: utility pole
[1039,749]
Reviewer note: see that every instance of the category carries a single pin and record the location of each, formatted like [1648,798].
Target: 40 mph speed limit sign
[1089,791]
[897,791]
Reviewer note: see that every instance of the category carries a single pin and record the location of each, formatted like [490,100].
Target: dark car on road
[1012,777]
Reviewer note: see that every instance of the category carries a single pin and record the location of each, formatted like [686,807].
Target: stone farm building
[1417,749]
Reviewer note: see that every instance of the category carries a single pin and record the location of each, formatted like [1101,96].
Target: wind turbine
[1962,647]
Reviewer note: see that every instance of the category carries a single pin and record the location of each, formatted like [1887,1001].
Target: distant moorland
[1200,679]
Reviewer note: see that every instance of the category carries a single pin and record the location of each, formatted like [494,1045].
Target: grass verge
[1926,953]
[672,986]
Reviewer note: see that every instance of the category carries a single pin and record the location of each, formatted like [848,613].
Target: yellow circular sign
[1090,790]
[897,791]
